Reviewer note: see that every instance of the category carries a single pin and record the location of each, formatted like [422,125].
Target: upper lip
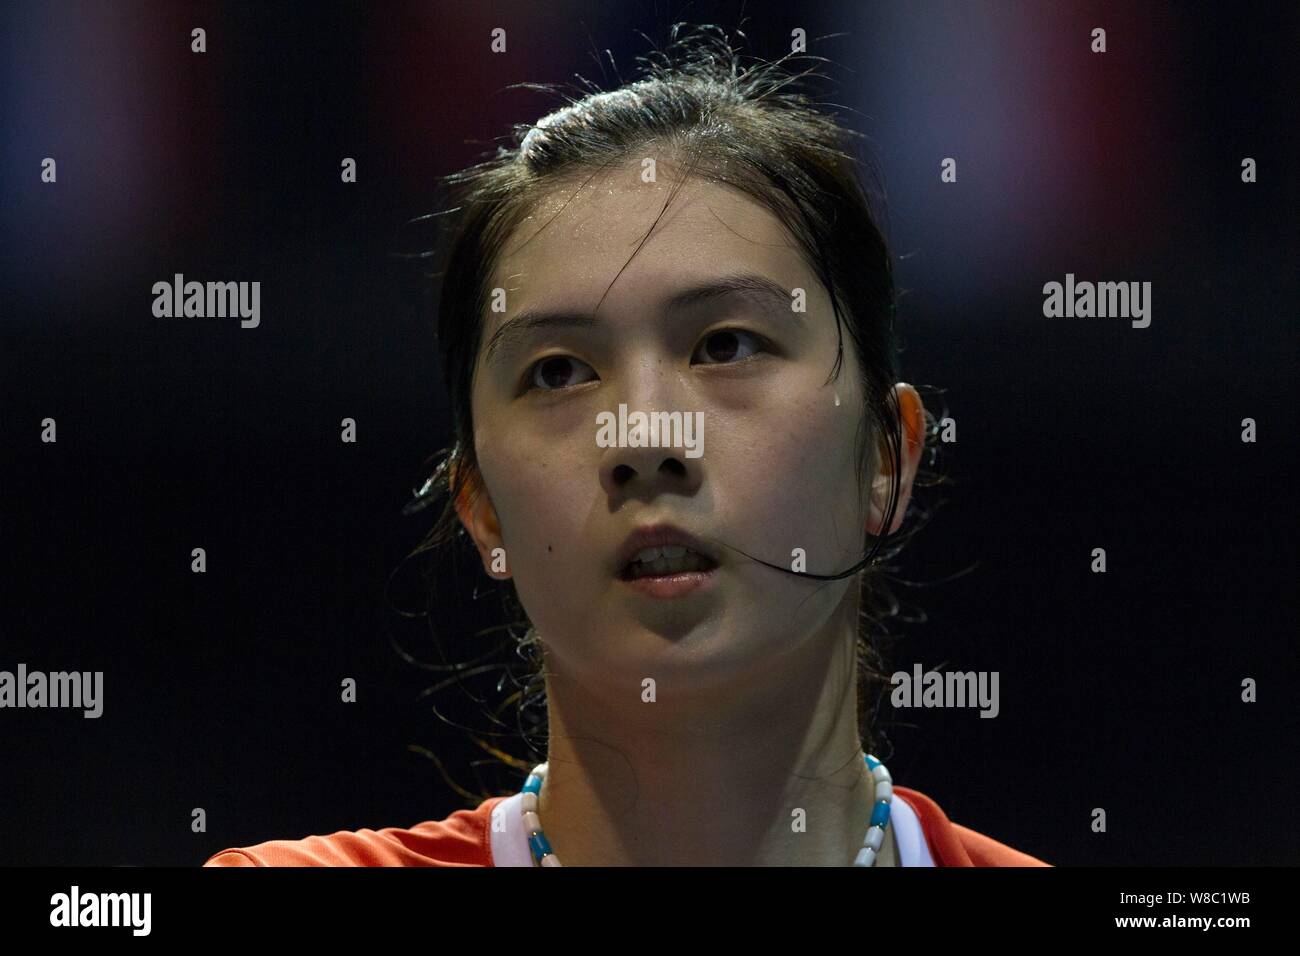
[658,535]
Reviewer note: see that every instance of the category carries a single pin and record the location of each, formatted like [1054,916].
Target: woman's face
[777,469]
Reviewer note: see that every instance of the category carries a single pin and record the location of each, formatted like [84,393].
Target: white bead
[540,770]
[884,791]
[550,860]
[881,774]
[531,822]
[529,802]
[866,857]
[875,837]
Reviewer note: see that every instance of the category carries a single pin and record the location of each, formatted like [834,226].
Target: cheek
[544,503]
[533,484]
[797,474]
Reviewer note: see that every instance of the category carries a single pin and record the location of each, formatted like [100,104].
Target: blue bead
[880,814]
[533,784]
[537,843]
[872,762]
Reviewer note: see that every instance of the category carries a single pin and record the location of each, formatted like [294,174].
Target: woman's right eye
[551,373]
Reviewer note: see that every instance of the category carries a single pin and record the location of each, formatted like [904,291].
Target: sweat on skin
[756,651]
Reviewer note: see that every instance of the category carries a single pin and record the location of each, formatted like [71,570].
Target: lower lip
[673,585]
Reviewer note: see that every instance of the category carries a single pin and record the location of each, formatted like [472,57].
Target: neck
[750,777]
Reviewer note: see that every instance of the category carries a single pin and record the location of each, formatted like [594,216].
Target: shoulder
[954,845]
[462,839]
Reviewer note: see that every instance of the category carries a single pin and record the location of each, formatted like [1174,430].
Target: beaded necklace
[543,855]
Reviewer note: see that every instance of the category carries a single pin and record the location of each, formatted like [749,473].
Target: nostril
[623,474]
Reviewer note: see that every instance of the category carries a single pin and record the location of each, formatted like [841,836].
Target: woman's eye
[553,372]
[723,347]
[726,346]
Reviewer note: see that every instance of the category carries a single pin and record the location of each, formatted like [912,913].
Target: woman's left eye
[722,346]
[726,345]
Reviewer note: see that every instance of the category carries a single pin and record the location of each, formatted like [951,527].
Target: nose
[647,472]
[629,471]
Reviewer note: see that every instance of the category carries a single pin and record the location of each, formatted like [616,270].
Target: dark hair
[697,103]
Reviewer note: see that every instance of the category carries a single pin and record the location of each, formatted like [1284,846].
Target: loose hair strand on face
[699,107]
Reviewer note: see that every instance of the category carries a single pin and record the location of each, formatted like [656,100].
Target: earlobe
[911,412]
[479,518]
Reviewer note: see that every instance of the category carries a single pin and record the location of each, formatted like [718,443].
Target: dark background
[221,690]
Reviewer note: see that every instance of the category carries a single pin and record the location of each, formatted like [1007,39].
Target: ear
[476,513]
[911,412]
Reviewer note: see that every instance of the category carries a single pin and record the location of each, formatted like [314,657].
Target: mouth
[662,551]
[666,561]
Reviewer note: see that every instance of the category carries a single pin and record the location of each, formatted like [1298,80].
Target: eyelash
[761,343]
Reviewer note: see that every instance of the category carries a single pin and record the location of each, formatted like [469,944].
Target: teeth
[670,559]
[667,551]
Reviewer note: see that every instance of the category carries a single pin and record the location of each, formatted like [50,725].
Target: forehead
[578,237]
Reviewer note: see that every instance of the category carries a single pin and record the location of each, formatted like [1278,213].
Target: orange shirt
[464,839]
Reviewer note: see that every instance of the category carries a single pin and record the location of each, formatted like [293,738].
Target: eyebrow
[750,286]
